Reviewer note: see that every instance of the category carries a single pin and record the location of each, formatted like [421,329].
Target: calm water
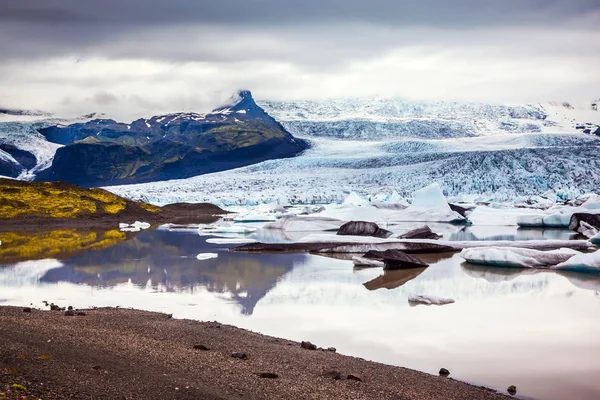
[538,331]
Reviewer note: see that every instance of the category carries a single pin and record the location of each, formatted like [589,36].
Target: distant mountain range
[103,151]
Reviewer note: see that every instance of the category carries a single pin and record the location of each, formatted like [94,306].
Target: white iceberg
[206,256]
[429,205]
[355,200]
[306,224]
[230,241]
[592,203]
[135,227]
[512,257]
[428,300]
[367,262]
[582,262]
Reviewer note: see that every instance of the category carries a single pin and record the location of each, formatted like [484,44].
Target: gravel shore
[131,354]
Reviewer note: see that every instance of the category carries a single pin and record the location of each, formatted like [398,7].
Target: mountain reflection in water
[166,261]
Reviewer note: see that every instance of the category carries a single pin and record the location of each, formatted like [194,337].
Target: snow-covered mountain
[378,146]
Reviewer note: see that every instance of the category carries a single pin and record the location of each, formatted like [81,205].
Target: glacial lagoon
[536,330]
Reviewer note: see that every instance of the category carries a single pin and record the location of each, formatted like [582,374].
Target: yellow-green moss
[58,200]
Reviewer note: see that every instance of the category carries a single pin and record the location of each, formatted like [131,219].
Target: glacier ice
[363,262]
[429,204]
[583,262]
[303,223]
[429,300]
[510,257]
[206,256]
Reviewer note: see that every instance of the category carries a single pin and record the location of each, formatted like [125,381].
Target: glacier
[384,147]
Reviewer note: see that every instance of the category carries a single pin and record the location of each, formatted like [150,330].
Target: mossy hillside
[60,201]
[61,243]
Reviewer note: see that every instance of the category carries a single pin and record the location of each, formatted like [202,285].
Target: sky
[131,58]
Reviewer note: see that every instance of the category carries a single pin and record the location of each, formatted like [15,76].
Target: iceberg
[230,241]
[429,205]
[355,200]
[135,227]
[582,262]
[593,203]
[306,224]
[511,257]
[428,300]
[363,262]
[206,256]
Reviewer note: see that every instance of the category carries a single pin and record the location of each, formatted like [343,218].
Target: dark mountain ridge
[171,146]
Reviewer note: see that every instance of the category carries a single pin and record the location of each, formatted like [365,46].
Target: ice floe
[363,262]
[582,262]
[230,240]
[511,257]
[429,205]
[303,223]
[206,256]
[135,227]
[428,300]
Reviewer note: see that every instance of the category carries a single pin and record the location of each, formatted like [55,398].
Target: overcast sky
[140,57]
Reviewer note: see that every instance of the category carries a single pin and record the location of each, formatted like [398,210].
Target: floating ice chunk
[511,257]
[429,205]
[255,218]
[430,197]
[135,227]
[428,300]
[367,262]
[535,220]
[206,256]
[228,229]
[557,220]
[596,239]
[130,229]
[306,224]
[582,262]
[355,200]
[230,240]
[593,203]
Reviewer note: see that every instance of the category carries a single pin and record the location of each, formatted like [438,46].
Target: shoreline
[114,353]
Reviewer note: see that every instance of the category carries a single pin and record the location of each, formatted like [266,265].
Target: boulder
[363,228]
[422,232]
[586,224]
[396,259]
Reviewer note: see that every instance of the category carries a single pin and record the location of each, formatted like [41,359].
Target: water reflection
[166,261]
[536,330]
[393,279]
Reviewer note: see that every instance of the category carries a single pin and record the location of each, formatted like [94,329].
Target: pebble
[512,390]
[444,372]
[202,347]
[27,309]
[241,356]
[69,313]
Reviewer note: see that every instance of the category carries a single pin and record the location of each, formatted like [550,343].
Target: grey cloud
[33,28]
